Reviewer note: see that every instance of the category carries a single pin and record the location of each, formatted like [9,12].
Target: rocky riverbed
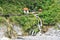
[40,38]
[51,34]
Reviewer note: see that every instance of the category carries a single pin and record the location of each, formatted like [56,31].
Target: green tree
[27,22]
[50,16]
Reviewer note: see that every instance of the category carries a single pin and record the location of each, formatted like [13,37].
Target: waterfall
[39,25]
[39,22]
[33,32]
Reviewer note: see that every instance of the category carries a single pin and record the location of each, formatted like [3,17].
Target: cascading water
[39,25]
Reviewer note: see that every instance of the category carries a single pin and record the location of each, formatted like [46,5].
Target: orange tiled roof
[25,9]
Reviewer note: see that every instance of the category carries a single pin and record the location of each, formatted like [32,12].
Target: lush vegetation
[16,6]
[50,12]
[27,22]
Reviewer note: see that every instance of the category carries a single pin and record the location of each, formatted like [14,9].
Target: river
[51,34]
